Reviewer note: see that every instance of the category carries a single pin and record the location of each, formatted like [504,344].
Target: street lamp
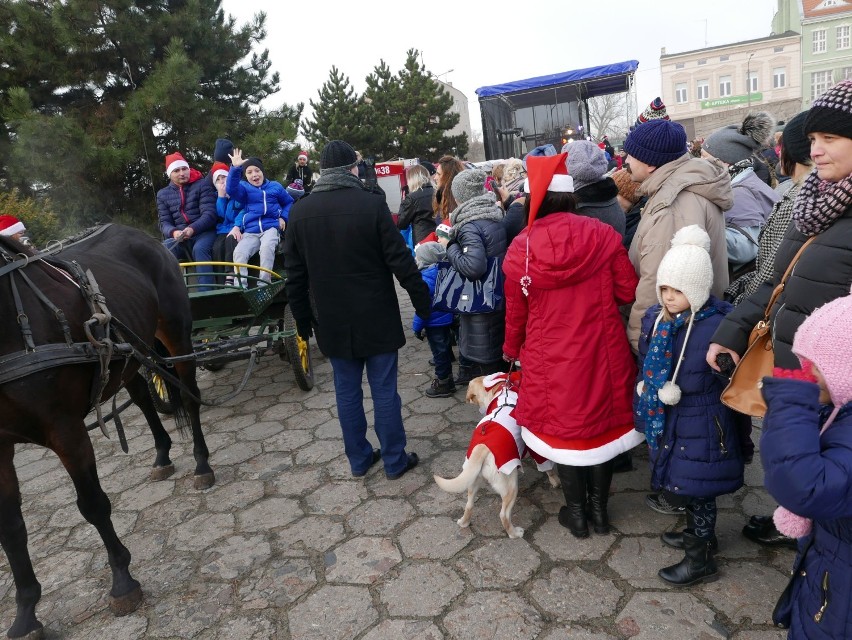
[748,77]
[438,75]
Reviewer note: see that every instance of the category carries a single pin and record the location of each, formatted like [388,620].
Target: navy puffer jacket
[193,205]
[699,453]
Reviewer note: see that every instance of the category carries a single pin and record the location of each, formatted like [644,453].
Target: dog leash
[508,385]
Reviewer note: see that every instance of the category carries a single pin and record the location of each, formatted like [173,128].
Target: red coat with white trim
[578,369]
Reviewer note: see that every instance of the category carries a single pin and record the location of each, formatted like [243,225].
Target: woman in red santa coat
[566,275]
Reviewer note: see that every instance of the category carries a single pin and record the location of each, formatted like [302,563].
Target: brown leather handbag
[743,392]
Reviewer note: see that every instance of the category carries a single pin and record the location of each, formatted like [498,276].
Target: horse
[142,287]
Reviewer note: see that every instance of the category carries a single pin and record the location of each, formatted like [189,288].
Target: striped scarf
[820,203]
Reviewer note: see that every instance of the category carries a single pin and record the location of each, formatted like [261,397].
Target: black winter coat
[822,274]
[305,174]
[343,247]
[416,210]
[480,336]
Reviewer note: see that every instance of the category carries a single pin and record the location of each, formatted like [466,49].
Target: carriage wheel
[159,394]
[298,353]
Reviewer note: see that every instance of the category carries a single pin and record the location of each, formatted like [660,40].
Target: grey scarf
[482,207]
[337,178]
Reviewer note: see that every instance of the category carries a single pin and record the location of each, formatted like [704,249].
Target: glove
[305,328]
[419,334]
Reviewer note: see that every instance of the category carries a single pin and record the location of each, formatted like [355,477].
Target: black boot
[466,374]
[675,538]
[441,388]
[697,566]
[573,515]
[600,479]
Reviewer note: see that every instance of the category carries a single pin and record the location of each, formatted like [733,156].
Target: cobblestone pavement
[288,545]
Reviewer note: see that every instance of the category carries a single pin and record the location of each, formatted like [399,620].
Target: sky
[475,44]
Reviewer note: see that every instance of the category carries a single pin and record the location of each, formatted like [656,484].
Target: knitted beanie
[252,162]
[656,142]
[794,140]
[428,253]
[296,189]
[175,161]
[654,111]
[627,189]
[543,150]
[428,166]
[10,225]
[586,163]
[223,150]
[218,169]
[338,154]
[468,184]
[823,338]
[737,142]
[832,111]
[687,266]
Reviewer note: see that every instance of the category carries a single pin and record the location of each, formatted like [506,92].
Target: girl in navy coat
[437,327]
[694,440]
[806,448]
[266,207]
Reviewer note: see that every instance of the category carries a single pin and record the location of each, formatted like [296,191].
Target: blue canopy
[597,81]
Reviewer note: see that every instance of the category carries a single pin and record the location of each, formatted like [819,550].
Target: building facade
[460,106]
[709,88]
[826,28]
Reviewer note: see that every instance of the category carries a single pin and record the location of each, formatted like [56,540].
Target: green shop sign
[730,100]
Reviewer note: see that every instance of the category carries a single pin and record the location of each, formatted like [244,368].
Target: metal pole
[748,77]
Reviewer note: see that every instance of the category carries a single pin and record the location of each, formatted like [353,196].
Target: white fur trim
[640,388]
[560,183]
[219,172]
[586,457]
[11,230]
[302,155]
[669,393]
[177,164]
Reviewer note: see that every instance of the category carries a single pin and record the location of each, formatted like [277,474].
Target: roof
[825,8]
[778,36]
[595,81]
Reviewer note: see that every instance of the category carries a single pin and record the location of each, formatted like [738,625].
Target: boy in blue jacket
[437,328]
[806,448]
[266,207]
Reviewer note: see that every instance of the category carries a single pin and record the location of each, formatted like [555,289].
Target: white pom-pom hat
[687,266]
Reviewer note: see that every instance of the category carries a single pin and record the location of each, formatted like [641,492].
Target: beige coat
[680,193]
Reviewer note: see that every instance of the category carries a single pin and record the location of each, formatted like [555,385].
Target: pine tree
[383,117]
[94,93]
[338,114]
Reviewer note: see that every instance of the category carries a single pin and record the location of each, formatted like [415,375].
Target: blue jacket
[228,211]
[811,475]
[436,318]
[699,453]
[193,205]
[262,206]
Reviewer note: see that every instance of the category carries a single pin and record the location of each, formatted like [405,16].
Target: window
[703,89]
[847,73]
[724,58]
[680,93]
[724,86]
[702,61]
[844,37]
[779,78]
[819,41]
[679,65]
[778,49]
[820,83]
[751,82]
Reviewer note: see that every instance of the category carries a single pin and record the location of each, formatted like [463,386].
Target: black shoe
[761,529]
[466,374]
[674,539]
[697,566]
[377,455]
[658,502]
[441,388]
[412,462]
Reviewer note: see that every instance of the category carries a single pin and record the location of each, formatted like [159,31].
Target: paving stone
[145,495]
[246,628]
[314,533]
[423,589]
[234,556]
[381,516]
[276,584]
[268,514]
[575,633]
[296,481]
[575,595]
[261,431]
[362,560]
[407,629]
[558,543]
[775,634]
[500,564]
[288,440]
[233,496]
[318,452]
[486,615]
[193,612]
[201,531]
[436,538]
[654,615]
[265,466]
[314,619]
[633,556]
[745,590]
[629,514]
[336,499]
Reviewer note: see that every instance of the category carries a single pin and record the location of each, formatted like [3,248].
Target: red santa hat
[219,169]
[302,154]
[10,225]
[546,173]
[175,161]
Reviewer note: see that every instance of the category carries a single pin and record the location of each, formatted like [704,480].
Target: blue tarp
[594,77]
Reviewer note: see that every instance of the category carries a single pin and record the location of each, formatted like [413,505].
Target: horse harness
[105,340]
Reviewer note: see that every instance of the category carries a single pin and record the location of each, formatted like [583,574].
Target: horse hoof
[126,604]
[204,481]
[35,634]
[162,473]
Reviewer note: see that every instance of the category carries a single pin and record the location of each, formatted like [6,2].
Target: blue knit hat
[656,142]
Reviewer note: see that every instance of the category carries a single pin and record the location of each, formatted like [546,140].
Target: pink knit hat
[823,338]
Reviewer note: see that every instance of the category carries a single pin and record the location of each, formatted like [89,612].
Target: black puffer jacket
[822,274]
[480,336]
[416,210]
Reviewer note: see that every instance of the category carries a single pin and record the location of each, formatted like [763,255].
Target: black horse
[143,289]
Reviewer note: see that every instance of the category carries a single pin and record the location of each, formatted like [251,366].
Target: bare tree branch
[608,116]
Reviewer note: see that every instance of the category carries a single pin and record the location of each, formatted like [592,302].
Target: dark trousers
[198,248]
[223,251]
[440,342]
[387,410]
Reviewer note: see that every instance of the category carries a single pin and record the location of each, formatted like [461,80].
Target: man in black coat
[342,246]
